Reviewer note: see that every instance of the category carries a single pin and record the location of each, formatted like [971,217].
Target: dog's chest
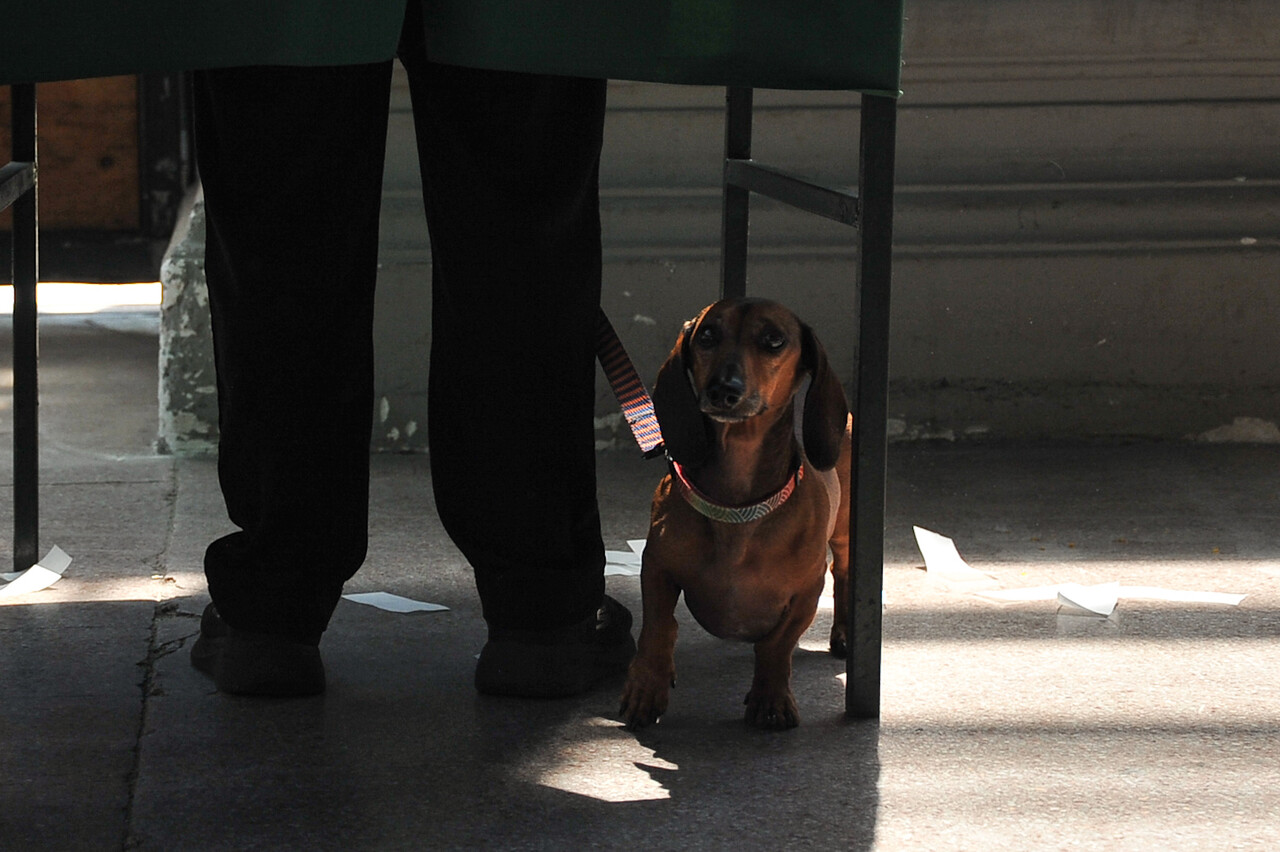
[731,612]
[740,580]
[742,593]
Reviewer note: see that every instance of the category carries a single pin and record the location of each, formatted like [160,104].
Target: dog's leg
[770,703]
[653,670]
[840,587]
[840,591]
[840,551]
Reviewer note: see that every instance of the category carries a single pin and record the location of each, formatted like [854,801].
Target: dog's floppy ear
[684,430]
[826,412]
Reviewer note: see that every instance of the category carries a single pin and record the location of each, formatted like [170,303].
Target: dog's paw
[771,709]
[840,640]
[645,696]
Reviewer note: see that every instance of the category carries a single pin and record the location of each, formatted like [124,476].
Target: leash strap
[637,407]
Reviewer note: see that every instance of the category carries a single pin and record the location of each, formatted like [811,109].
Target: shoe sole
[523,670]
[255,667]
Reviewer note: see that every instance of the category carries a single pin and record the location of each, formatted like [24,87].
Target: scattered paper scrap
[34,579]
[1094,600]
[1157,594]
[942,561]
[42,575]
[1028,593]
[1086,597]
[394,603]
[622,563]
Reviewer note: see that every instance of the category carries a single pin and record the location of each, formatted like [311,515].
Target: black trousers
[291,160]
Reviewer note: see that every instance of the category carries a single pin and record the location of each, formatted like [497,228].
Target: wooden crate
[88,142]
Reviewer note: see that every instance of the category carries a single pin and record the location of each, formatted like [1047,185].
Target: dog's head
[744,358]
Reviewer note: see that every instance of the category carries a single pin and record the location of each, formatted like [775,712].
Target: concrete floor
[1004,727]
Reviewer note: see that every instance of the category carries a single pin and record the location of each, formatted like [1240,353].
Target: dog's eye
[772,341]
[707,338]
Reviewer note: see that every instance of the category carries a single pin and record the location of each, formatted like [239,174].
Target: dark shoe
[244,663]
[557,663]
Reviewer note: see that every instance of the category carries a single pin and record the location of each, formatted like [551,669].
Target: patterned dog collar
[733,514]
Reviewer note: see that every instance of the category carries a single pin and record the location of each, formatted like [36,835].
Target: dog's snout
[727,387]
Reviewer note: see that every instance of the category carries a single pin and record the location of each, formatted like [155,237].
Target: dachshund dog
[742,523]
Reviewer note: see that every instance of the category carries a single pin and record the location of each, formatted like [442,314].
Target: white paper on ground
[42,575]
[1029,593]
[1154,593]
[622,563]
[56,560]
[1157,594]
[1095,600]
[942,560]
[394,603]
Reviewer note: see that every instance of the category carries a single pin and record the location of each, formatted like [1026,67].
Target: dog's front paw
[645,695]
[773,710]
[840,640]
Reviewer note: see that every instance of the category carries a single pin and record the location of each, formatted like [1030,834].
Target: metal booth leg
[25,398]
[875,177]
[736,200]
[871,211]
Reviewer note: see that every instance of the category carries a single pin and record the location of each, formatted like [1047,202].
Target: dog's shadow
[816,784]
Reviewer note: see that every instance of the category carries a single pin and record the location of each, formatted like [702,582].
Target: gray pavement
[1005,726]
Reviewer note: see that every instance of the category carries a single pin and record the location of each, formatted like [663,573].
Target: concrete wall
[1088,218]
[1088,223]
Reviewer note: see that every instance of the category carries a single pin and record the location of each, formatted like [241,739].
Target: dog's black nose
[727,387]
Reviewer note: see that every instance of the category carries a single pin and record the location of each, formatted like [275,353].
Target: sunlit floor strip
[634,773]
[80,589]
[56,297]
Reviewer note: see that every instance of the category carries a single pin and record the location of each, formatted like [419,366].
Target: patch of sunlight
[58,297]
[80,589]
[619,771]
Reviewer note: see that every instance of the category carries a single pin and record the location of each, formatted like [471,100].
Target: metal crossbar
[18,182]
[15,179]
[829,202]
[870,210]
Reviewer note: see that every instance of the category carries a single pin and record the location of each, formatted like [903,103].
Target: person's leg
[510,168]
[291,162]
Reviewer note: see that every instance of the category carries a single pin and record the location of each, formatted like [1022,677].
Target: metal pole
[736,199]
[876,163]
[26,450]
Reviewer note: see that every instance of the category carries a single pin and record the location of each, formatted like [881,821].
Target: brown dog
[742,523]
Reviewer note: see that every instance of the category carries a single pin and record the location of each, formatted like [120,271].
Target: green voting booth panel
[789,44]
[775,44]
[43,40]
